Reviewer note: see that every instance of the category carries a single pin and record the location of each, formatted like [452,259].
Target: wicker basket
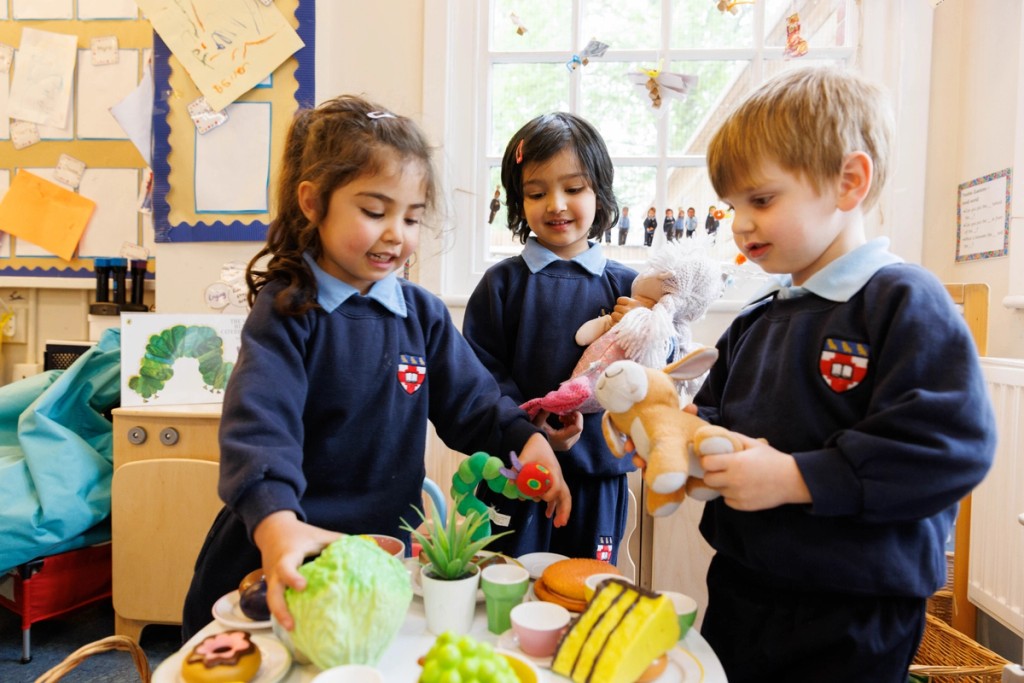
[948,656]
[942,604]
[105,645]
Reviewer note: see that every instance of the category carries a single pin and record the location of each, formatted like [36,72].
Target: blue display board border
[217,231]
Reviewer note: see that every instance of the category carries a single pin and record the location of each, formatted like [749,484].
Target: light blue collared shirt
[332,292]
[537,257]
[841,279]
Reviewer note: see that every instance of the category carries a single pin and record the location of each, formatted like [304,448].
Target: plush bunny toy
[676,289]
[644,419]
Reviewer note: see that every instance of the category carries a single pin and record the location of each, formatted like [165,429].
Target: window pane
[694,120]
[690,187]
[547,25]
[635,187]
[633,25]
[774,67]
[610,101]
[519,92]
[702,25]
[822,22]
[500,238]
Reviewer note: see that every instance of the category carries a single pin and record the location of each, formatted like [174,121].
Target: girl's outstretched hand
[559,500]
[565,438]
[285,543]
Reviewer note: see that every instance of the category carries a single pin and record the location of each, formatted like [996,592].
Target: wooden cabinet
[163,501]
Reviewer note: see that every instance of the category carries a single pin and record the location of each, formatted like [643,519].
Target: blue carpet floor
[55,639]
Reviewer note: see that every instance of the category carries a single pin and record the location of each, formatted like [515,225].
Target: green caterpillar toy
[526,482]
[195,341]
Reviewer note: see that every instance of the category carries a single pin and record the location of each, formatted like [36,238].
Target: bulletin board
[114,168]
[197,175]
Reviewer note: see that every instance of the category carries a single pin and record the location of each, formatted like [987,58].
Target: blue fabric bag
[56,455]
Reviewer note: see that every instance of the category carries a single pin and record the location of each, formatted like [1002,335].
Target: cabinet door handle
[136,435]
[169,436]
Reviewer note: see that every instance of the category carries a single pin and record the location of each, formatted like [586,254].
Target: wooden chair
[972,300]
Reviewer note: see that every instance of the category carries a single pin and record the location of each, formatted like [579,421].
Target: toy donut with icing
[222,658]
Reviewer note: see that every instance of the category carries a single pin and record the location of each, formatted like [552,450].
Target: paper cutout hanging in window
[226,46]
[659,85]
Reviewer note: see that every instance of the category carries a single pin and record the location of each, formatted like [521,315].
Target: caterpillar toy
[195,341]
[527,482]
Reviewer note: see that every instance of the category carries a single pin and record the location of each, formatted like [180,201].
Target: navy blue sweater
[887,449]
[522,325]
[316,419]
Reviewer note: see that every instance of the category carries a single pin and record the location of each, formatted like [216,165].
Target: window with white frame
[498,77]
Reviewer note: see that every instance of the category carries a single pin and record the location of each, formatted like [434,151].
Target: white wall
[975,129]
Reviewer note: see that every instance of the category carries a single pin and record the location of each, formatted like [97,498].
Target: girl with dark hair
[522,318]
[343,363]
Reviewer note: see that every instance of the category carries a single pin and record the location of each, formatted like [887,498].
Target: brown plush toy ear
[616,440]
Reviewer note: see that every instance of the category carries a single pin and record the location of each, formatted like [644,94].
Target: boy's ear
[309,201]
[854,180]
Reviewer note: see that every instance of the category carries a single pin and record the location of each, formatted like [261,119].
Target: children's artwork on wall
[195,199]
[52,69]
[169,359]
[226,46]
[45,213]
[41,87]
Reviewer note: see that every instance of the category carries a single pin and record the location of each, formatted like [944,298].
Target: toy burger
[564,582]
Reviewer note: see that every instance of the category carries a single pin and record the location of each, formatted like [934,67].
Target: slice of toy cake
[621,632]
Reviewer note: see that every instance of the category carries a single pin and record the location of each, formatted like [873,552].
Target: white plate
[682,666]
[536,563]
[275,665]
[227,613]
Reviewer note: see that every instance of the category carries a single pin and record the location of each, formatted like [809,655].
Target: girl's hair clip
[381,115]
[519,151]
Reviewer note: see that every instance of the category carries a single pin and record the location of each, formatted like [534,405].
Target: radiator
[996,575]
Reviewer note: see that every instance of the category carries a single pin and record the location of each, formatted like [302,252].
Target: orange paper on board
[45,214]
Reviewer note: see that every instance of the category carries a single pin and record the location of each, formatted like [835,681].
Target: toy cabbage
[355,600]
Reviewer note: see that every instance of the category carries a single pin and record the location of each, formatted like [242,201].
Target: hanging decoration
[796,46]
[731,7]
[658,84]
[520,26]
[595,48]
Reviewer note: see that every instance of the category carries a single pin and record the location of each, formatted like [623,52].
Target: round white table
[691,661]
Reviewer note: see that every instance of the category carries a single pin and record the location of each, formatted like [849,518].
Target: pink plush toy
[676,289]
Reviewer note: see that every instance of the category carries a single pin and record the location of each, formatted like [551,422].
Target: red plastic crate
[51,586]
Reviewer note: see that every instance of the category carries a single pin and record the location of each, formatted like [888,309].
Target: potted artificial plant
[451,578]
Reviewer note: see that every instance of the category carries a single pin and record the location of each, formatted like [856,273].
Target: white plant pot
[449,605]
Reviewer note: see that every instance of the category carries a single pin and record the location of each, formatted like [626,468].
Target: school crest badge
[843,364]
[412,370]
[603,551]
